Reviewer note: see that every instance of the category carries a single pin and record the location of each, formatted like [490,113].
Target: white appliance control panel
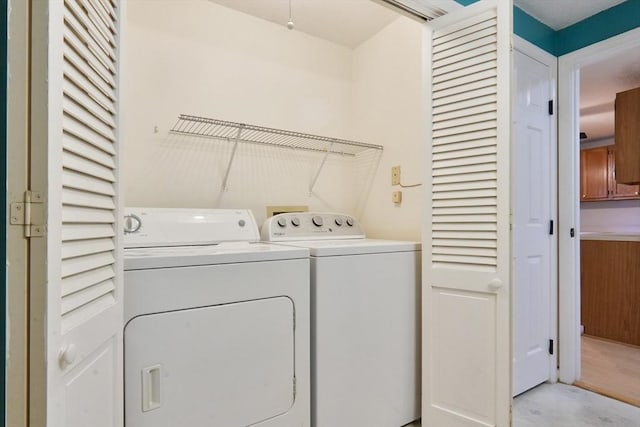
[310,226]
[152,227]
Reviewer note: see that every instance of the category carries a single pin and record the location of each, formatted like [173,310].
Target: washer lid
[223,253]
[320,248]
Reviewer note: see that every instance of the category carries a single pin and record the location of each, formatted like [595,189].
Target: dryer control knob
[132,223]
[317,221]
[282,222]
[350,222]
[339,222]
[295,222]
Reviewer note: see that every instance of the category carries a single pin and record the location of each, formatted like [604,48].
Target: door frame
[540,55]
[569,190]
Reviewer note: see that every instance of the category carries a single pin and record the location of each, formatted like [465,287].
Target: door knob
[495,284]
[67,355]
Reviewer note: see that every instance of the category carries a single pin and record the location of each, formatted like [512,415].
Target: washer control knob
[132,223]
[350,222]
[295,221]
[282,222]
[317,221]
[339,222]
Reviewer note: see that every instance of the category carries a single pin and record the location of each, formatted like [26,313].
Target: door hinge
[551,227]
[551,107]
[551,347]
[29,213]
[572,232]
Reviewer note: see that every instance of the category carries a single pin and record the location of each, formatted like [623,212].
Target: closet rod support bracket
[231,158]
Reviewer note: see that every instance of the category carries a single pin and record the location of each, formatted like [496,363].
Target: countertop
[618,235]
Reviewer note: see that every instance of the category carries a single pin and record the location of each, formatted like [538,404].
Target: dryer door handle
[151,388]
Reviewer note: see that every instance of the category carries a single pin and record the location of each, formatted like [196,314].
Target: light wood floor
[611,368]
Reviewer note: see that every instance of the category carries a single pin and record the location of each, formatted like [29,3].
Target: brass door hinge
[29,214]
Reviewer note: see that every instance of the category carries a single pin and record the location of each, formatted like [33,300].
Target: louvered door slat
[465,35]
[470,112]
[459,243]
[80,215]
[76,248]
[461,146]
[83,231]
[79,164]
[83,149]
[464,178]
[77,265]
[84,280]
[100,21]
[78,181]
[110,11]
[82,26]
[471,118]
[82,58]
[102,14]
[462,153]
[72,126]
[467,185]
[94,107]
[86,295]
[71,197]
[88,120]
[445,71]
[463,80]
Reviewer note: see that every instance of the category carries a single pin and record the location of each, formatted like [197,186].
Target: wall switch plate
[397,197]
[395,175]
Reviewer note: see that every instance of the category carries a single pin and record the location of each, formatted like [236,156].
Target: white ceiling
[558,14]
[350,22]
[599,84]
[345,22]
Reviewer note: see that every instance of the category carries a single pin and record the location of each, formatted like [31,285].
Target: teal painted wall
[604,25]
[534,31]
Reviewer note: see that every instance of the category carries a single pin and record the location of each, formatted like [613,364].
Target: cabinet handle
[584,195]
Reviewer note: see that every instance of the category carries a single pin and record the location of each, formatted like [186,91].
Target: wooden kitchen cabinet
[610,289]
[627,131]
[598,176]
[594,174]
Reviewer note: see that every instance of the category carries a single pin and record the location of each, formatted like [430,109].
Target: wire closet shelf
[251,134]
[235,133]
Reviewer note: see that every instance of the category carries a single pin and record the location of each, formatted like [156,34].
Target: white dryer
[216,324]
[365,320]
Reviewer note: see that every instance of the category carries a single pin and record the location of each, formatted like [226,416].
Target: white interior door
[466,269]
[532,229]
[75,135]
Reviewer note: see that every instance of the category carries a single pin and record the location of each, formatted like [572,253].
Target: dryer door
[226,365]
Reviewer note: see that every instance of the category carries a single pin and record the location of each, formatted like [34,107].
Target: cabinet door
[620,191]
[628,136]
[594,174]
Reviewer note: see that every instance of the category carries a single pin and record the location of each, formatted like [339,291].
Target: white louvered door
[466,243]
[84,300]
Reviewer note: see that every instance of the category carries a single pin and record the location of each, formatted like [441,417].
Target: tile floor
[561,405]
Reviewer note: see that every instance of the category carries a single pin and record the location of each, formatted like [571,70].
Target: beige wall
[196,57]
[389,111]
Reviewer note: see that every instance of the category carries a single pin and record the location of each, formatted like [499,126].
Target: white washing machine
[216,324]
[365,320]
